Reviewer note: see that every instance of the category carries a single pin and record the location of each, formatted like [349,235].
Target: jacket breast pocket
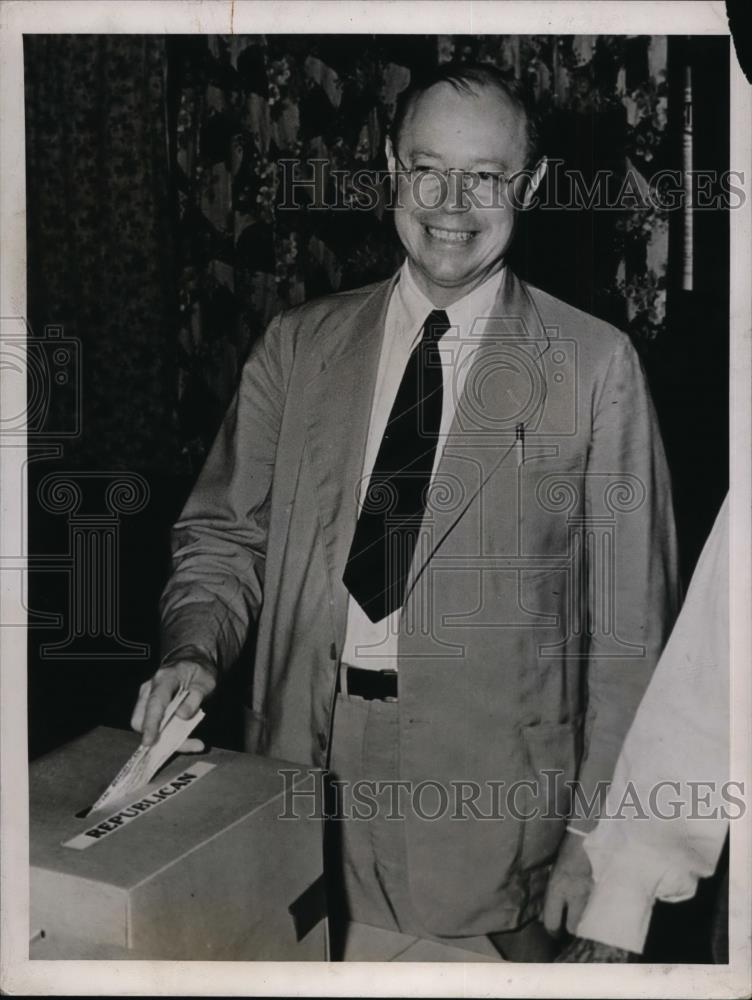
[552,753]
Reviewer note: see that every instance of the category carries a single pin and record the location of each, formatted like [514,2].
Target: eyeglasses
[433,182]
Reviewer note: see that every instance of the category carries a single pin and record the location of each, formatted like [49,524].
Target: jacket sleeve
[659,841]
[219,542]
[632,574]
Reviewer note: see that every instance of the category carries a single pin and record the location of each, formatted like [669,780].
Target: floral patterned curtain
[242,105]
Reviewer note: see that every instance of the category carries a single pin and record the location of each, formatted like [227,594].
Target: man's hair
[466,78]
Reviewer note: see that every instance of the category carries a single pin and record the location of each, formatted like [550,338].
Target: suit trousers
[366,851]
[367,848]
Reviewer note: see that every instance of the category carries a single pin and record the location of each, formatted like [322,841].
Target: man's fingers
[565,893]
[575,908]
[553,910]
[162,692]
[137,719]
[191,704]
[156,694]
[192,746]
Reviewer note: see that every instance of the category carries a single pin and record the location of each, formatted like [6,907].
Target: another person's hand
[585,950]
[568,887]
[156,694]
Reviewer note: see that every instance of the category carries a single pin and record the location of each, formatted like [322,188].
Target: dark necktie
[392,512]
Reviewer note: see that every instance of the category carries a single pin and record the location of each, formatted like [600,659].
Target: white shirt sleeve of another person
[666,816]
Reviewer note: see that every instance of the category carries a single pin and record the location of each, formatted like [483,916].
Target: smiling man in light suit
[444,504]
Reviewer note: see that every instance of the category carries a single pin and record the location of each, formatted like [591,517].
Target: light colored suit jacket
[539,599]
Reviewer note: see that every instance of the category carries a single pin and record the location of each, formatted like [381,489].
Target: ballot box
[219,857]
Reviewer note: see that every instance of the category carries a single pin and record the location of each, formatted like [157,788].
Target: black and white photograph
[375,557]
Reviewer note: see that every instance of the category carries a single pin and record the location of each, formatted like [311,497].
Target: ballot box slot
[88,810]
[114,818]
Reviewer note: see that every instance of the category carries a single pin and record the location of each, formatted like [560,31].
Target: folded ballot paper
[141,767]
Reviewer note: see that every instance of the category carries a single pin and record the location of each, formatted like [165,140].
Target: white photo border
[19,976]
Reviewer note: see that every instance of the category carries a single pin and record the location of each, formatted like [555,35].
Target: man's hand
[585,950]
[568,887]
[156,694]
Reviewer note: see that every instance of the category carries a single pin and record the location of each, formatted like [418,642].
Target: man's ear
[533,183]
[390,158]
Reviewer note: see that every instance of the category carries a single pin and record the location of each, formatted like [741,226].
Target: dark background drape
[157,245]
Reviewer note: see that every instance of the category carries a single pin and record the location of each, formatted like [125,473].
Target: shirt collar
[415,305]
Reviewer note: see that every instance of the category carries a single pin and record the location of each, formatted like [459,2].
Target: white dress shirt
[373,645]
[680,734]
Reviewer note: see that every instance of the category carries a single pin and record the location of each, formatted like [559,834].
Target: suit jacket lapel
[483,432]
[338,406]
[338,401]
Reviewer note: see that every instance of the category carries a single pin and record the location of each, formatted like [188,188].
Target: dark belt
[373,685]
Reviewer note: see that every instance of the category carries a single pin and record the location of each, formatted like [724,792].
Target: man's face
[454,243]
